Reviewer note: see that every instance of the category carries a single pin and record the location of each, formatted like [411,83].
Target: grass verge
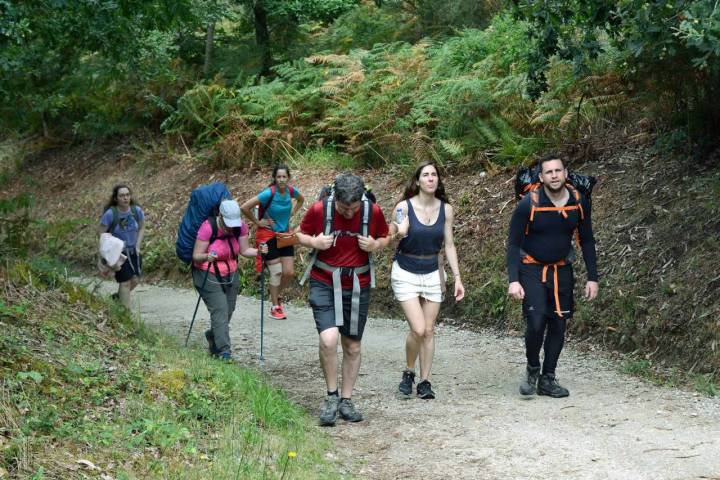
[87,392]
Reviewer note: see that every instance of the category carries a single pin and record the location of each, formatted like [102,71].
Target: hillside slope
[656,222]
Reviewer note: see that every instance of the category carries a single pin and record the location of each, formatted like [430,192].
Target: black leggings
[534,335]
[540,316]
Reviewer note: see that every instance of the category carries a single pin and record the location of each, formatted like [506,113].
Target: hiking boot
[529,384]
[211,342]
[115,296]
[407,381]
[547,385]
[424,390]
[277,312]
[348,411]
[329,410]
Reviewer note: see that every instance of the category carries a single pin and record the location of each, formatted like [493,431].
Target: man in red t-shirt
[340,285]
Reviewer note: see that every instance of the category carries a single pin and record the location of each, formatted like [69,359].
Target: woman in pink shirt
[219,241]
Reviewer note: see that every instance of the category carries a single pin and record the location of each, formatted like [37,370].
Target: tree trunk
[209,37]
[262,37]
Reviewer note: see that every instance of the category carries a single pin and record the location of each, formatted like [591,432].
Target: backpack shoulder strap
[367,207]
[114,221]
[265,207]
[366,214]
[328,213]
[578,199]
[134,213]
[534,202]
[328,205]
[212,220]
[534,197]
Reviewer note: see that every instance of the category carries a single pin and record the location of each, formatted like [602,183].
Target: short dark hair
[349,188]
[550,156]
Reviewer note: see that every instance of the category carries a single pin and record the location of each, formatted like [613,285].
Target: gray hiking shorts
[323,307]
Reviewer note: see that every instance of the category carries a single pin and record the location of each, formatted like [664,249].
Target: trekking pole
[196,306]
[261,360]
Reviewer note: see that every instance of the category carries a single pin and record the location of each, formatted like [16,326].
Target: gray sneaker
[348,411]
[329,410]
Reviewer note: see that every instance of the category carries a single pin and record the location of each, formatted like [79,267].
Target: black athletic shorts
[540,297]
[275,252]
[323,307]
[131,268]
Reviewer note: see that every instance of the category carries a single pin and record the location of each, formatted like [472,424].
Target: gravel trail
[611,427]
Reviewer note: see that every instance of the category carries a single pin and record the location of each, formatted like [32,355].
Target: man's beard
[555,190]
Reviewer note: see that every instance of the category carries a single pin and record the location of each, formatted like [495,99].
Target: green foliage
[707,384]
[86,382]
[57,59]
[442,17]
[364,27]
[309,10]
[672,47]
[14,218]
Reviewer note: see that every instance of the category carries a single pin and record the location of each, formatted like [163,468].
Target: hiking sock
[335,393]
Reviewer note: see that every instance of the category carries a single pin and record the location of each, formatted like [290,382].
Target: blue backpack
[204,203]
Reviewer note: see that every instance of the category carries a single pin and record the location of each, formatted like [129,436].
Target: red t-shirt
[346,251]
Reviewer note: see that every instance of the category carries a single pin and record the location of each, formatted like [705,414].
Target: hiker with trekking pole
[215,271]
[424,224]
[124,219]
[275,208]
[539,262]
[343,228]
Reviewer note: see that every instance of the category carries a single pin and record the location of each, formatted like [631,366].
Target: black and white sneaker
[406,384]
[424,390]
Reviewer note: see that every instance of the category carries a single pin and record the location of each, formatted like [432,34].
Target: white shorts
[407,285]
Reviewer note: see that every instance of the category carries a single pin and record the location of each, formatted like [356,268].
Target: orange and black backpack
[527,182]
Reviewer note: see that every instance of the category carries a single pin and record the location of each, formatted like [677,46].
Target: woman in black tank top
[418,277]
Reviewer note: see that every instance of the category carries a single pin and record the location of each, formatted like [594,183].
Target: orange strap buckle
[527,259]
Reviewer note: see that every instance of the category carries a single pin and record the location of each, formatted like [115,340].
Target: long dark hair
[280,166]
[113,198]
[412,188]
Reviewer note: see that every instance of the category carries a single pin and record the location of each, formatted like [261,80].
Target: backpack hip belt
[337,273]
[528,260]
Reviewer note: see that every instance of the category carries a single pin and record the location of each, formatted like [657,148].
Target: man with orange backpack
[539,263]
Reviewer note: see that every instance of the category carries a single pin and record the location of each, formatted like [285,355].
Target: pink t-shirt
[226,262]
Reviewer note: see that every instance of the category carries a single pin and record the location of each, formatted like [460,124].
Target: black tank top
[421,240]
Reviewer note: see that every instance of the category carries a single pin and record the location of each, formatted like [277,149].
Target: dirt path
[611,427]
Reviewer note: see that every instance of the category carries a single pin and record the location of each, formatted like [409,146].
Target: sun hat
[230,213]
